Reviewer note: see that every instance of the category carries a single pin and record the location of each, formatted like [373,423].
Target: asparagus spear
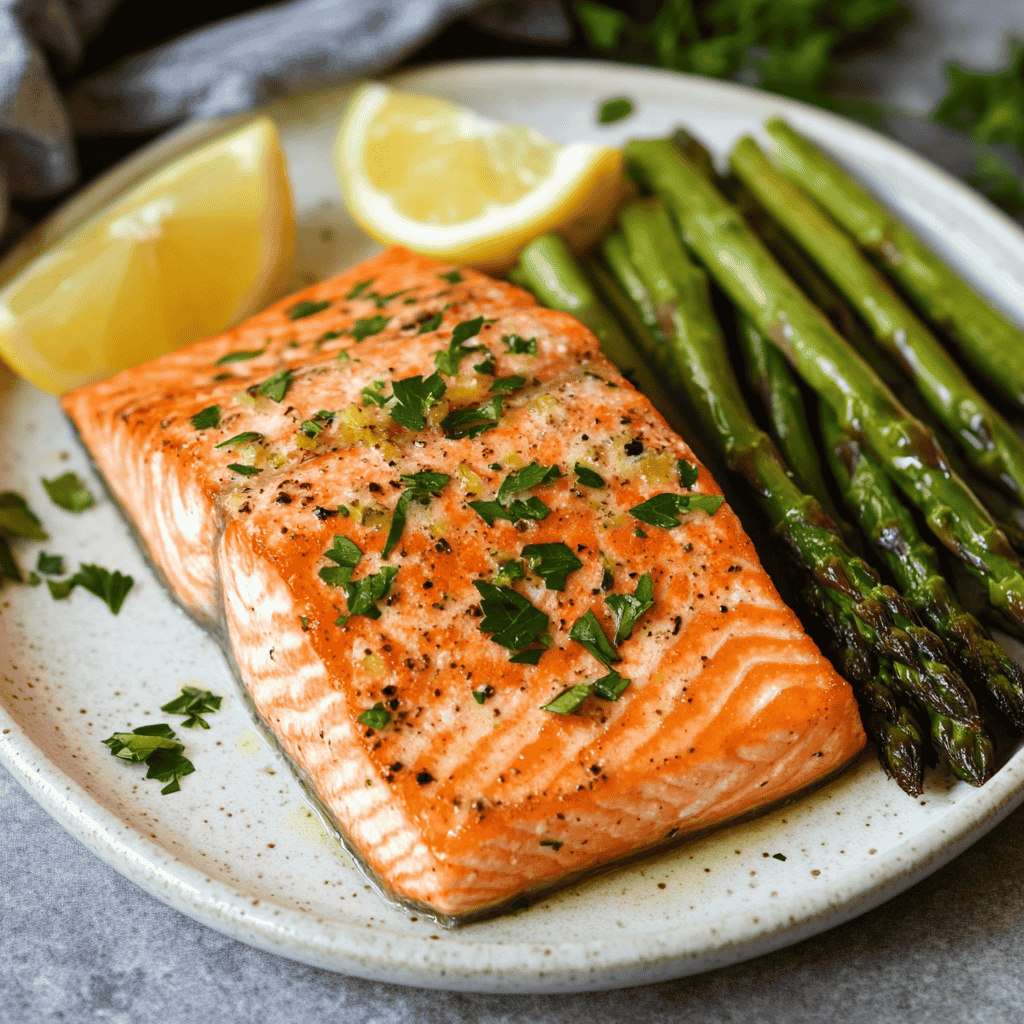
[891,530]
[867,410]
[986,438]
[913,657]
[987,339]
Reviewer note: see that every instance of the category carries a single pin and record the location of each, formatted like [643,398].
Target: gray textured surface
[80,944]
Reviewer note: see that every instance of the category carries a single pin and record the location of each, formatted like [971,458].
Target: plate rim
[349,949]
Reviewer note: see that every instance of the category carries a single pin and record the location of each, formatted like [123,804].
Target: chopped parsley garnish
[358,289]
[451,276]
[428,323]
[363,593]
[312,427]
[533,475]
[241,356]
[503,385]
[521,508]
[155,746]
[8,566]
[69,492]
[193,703]
[778,856]
[531,656]
[566,703]
[306,308]
[376,717]
[346,554]
[552,563]
[487,366]
[237,467]
[447,360]
[276,387]
[380,301]
[244,438]
[587,631]
[479,696]
[418,487]
[555,844]
[610,687]
[375,393]
[18,519]
[472,421]
[509,617]
[627,609]
[662,510]
[368,326]
[50,565]
[414,397]
[587,476]
[509,573]
[615,110]
[110,587]
[520,346]
[688,473]
[206,418]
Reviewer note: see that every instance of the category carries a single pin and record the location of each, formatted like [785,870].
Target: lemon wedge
[452,184]
[205,242]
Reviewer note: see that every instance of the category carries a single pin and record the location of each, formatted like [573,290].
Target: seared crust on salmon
[419,635]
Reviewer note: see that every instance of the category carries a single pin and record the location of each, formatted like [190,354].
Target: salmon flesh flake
[463,780]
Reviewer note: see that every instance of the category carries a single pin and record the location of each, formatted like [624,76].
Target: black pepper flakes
[424,777]
[324,513]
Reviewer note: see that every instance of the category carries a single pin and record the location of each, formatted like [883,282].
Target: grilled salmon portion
[487,602]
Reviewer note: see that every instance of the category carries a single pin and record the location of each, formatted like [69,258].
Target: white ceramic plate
[238,849]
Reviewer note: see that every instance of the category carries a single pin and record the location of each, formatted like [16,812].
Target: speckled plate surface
[239,849]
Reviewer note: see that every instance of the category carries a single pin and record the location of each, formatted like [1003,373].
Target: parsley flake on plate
[614,110]
[206,418]
[587,631]
[663,509]
[69,492]
[109,587]
[155,746]
[17,519]
[193,703]
[306,308]
[627,609]
[50,565]
[552,563]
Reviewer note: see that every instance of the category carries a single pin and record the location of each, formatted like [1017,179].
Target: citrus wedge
[202,244]
[457,186]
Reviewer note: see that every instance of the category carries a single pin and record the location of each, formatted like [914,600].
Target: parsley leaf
[688,473]
[241,356]
[509,573]
[627,609]
[587,476]
[615,110]
[426,323]
[451,276]
[8,566]
[587,631]
[447,360]
[244,438]
[552,562]
[358,289]
[50,565]
[528,508]
[662,509]
[520,346]
[503,385]
[69,492]
[155,746]
[376,717]
[206,418]
[486,366]
[237,467]
[419,487]
[610,687]
[425,483]
[109,587]
[18,519]
[414,397]
[305,308]
[566,703]
[193,703]
[472,421]
[533,475]
[375,393]
[363,593]
[509,617]
[529,656]
[276,387]
[369,326]
[346,554]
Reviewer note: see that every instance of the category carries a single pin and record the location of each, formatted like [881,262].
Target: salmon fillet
[441,652]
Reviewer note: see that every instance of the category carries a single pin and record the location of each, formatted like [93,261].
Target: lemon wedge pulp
[205,242]
[454,185]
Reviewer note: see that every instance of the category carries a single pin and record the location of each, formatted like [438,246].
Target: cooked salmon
[486,601]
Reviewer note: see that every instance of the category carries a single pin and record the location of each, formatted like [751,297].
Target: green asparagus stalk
[891,530]
[987,339]
[868,412]
[770,376]
[913,656]
[986,438]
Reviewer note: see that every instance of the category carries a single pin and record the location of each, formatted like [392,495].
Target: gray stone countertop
[79,943]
